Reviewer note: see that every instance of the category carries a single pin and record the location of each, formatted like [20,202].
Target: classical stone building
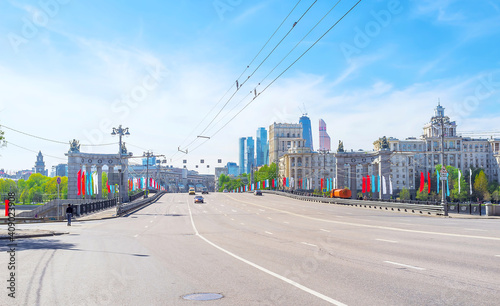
[281,136]
[413,155]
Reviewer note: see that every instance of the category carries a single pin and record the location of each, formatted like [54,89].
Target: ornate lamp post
[120,132]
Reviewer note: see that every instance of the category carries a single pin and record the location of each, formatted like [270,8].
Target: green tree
[481,186]
[423,196]
[404,194]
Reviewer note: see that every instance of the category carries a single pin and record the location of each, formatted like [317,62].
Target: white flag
[390,185]
[459,175]
[384,189]
[470,180]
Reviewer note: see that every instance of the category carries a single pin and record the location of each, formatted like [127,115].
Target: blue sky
[75,69]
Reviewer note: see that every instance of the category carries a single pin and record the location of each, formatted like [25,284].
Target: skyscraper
[324,139]
[261,150]
[306,131]
[242,155]
[250,154]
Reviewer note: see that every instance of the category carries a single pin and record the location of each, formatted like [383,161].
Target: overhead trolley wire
[243,72]
[304,37]
[55,141]
[11,143]
[261,63]
[283,72]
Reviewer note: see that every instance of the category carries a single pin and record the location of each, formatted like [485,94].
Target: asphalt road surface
[267,250]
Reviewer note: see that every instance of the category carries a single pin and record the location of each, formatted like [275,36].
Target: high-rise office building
[242,155]
[281,136]
[262,148]
[250,154]
[324,138]
[306,131]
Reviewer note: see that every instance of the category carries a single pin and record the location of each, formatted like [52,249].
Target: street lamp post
[444,173]
[120,132]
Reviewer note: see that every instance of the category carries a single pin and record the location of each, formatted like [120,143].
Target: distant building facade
[61,170]
[281,136]
[250,154]
[241,146]
[262,148]
[324,138]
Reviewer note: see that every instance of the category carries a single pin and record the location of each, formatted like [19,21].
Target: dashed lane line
[268,233]
[403,265]
[324,230]
[385,240]
[310,244]
[375,226]
[276,275]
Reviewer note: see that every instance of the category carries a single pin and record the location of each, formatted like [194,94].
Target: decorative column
[73,167]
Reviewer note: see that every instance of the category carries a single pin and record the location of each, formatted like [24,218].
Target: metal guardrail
[136,196]
[393,206]
[88,208]
[127,208]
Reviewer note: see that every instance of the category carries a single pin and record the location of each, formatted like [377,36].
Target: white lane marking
[146,226]
[151,221]
[378,226]
[475,229]
[225,215]
[156,217]
[268,233]
[242,223]
[403,265]
[231,219]
[497,255]
[205,211]
[384,240]
[221,205]
[286,222]
[233,210]
[309,244]
[257,213]
[135,236]
[286,280]
[269,218]
[349,213]
[261,209]
[324,230]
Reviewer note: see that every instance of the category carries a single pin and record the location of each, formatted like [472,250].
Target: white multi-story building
[281,136]
[300,163]
[412,156]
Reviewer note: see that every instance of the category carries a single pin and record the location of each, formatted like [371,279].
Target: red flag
[363,189]
[422,181]
[83,183]
[368,184]
[272,183]
[322,185]
[429,182]
[79,180]
[7,202]
[109,188]
[284,181]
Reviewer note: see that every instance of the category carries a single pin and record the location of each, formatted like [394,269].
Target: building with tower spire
[40,164]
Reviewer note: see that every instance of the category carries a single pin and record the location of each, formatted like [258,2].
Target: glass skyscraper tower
[306,131]
[262,148]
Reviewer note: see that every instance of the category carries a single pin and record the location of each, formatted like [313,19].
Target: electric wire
[304,37]
[255,70]
[293,63]
[243,72]
[55,141]
[11,143]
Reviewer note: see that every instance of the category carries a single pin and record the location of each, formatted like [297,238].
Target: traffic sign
[58,180]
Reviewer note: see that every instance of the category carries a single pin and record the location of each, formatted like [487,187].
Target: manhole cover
[203,296]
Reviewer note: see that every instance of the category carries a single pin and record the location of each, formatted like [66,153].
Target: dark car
[204,191]
[198,199]
[257,192]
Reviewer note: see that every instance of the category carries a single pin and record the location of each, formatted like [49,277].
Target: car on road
[257,192]
[198,199]
[192,191]
[204,191]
